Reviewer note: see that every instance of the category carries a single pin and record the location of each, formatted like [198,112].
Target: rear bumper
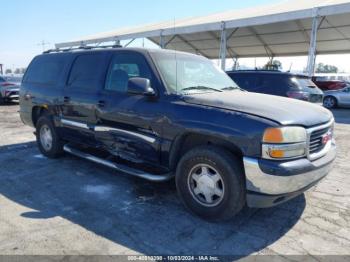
[269,183]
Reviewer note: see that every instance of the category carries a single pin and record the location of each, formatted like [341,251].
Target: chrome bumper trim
[260,182]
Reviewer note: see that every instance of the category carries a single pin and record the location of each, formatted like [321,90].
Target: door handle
[66,99]
[101,103]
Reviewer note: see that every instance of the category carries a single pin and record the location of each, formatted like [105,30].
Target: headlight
[284,142]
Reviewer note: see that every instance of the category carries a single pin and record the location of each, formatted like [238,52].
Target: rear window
[86,73]
[303,83]
[45,69]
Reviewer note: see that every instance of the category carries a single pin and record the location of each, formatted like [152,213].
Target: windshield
[188,74]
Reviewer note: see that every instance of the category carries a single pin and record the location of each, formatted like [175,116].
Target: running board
[118,167]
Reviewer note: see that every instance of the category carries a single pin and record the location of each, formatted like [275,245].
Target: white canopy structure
[289,28]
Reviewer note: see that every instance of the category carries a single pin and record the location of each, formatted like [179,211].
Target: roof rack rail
[255,70]
[57,50]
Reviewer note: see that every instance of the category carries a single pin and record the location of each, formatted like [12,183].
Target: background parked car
[9,88]
[336,98]
[16,80]
[278,83]
[327,84]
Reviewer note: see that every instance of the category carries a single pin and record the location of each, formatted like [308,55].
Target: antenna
[255,64]
[43,44]
[290,67]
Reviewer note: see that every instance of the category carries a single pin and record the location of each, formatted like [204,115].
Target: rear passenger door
[128,125]
[85,80]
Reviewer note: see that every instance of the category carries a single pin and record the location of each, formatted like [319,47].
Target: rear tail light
[298,95]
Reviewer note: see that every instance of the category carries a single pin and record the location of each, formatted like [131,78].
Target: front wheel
[49,143]
[210,182]
[329,102]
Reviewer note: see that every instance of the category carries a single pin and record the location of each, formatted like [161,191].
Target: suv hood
[285,111]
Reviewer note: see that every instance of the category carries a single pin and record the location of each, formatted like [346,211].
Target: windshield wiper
[232,88]
[200,88]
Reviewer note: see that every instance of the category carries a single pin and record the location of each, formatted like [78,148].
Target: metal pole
[235,63]
[161,40]
[223,46]
[313,46]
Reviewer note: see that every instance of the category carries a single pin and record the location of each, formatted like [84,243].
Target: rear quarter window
[46,69]
[87,72]
[245,81]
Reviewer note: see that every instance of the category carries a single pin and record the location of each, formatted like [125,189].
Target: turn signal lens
[276,153]
[273,135]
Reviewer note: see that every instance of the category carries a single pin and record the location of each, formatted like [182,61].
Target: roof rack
[256,70]
[57,50]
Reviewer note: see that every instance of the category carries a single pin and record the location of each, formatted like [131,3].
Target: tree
[273,65]
[8,71]
[323,68]
[17,71]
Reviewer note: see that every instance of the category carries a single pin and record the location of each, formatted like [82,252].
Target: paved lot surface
[70,206]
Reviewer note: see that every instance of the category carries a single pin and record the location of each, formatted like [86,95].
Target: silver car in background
[9,88]
[337,98]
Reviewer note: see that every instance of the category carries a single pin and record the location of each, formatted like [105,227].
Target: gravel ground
[70,206]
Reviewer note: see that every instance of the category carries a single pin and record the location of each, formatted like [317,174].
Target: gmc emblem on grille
[326,137]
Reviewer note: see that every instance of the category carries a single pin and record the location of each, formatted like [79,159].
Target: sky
[26,23]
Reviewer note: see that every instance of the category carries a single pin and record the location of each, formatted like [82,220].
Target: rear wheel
[210,182]
[49,143]
[330,102]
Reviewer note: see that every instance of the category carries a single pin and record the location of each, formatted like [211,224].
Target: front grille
[316,144]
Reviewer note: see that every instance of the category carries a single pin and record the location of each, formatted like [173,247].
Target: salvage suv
[159,114]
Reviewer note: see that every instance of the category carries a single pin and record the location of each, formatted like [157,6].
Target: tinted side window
[87,72]
[46,69]
[245,81]
[273,84]
[123,67]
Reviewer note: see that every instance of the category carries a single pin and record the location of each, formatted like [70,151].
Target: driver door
[129,125]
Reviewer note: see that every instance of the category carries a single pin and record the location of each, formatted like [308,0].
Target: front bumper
[11,94]
[270,182]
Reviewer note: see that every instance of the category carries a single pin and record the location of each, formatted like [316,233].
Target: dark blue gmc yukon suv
[159,114]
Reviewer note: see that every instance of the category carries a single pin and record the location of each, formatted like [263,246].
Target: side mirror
[140,86]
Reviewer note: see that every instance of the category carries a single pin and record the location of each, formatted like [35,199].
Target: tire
[330,102]
[48,141]
[206,162]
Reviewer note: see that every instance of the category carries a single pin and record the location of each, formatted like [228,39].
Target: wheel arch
[190,140]
[331,96]
[38,111]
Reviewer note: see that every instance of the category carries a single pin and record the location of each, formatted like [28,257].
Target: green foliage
[273,65]
[322,68]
